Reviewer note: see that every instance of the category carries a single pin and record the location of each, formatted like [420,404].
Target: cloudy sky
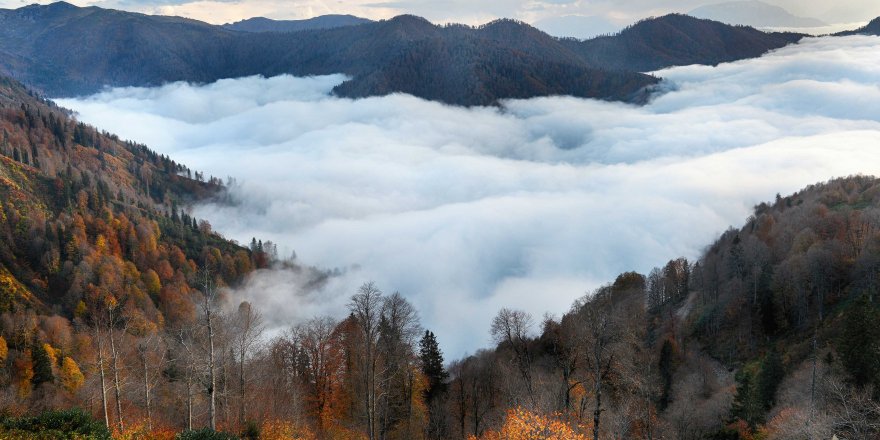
[617,12]
[465,211]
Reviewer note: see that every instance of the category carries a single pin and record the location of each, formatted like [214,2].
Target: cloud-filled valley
[529,205]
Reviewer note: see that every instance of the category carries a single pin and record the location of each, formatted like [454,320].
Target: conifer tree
[859,344]
[772,373]
[432,364]
[42,364]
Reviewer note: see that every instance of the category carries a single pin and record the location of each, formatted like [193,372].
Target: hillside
[93,229]
[770,334]
[676,40]
[262,24]
[453,64]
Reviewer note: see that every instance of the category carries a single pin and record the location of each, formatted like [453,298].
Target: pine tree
[772,373]
[42,364]
[432,365]
[746,402]
[666,369]
[859,344]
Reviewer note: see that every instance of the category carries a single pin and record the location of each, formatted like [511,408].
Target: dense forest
[42,45]
[118,317]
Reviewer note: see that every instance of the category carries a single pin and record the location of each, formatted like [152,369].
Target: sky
[528,206]
[602,13]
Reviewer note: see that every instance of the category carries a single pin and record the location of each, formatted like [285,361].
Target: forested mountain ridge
[262,24]
[454,64]
[675,40]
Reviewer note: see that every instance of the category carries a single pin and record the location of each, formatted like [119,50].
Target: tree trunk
[241,391]
[598,412]
[116,390]
[212,411]
[189,400]
[103,378]
[147,391]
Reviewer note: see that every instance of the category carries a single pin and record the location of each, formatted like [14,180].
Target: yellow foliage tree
[53,354]
[4,350]
[71,376]
[284,430]
[521,424]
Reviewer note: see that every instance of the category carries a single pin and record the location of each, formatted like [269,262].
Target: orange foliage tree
[521,424]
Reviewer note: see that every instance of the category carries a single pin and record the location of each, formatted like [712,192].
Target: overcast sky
[531,206]
[620,12]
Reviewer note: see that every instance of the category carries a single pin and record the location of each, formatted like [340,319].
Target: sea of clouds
[529,205]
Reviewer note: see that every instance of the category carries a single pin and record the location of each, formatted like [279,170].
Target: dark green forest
[454,64]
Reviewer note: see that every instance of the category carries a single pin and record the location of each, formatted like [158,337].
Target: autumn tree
[366,307]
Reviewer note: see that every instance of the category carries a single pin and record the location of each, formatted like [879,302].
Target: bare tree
[366,306]
[248,327]
[599,335]
[149,350]
[398,333]
[115,365]
[209,296]
[512,328]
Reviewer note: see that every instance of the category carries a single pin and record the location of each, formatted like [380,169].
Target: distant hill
[677,39]
[65,50]
[754,13]
[872,28]
[261,24]
[581,27]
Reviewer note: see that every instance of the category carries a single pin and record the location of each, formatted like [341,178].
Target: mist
[529,205]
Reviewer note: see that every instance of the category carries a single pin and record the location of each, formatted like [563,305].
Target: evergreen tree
[42,364]
[432,365]
[859,345]
[746,402]
[772,373]
[665,366]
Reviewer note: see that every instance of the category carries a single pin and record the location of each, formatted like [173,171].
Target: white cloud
[468,210]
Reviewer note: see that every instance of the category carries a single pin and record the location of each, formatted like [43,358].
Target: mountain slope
[73,199]
[261,24]
[453,64]
[754,13]
[675,40]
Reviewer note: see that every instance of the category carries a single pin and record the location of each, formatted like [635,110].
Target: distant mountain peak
[754,13]
[872,28]
[263,24]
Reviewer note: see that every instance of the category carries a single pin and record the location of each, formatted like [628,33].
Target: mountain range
[64,50]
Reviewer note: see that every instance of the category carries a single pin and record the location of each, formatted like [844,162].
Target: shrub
[68,424]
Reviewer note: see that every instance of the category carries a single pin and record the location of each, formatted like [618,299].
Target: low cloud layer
[465,211]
